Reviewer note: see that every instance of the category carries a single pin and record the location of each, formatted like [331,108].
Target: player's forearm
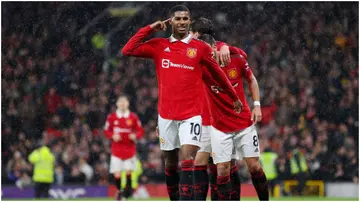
[135,41]
[139,133]
[108,134]
[254,89]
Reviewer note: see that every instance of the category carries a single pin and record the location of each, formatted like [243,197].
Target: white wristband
[257,103]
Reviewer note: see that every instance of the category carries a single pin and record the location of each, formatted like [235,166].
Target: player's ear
[171,19]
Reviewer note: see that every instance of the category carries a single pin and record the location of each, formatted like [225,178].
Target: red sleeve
[135,47]
[232,49]
[109,128]
[220,44]
[139,129]
[216,73]
[244,68]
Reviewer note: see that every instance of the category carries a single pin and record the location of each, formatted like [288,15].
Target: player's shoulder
[198,42]
[156,40]
[238,60]
[242,54]
[239,57]
[219,43]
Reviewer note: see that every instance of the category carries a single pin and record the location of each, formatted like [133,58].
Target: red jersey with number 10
[179,67]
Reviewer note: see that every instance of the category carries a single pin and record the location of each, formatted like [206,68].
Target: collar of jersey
[122,115]
[185,40]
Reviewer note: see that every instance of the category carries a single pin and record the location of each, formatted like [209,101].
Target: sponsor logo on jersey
[129,122]
[191,52]
[167,64]
[232,73]
[118,130]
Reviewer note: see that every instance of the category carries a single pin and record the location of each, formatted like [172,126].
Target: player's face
[180,22]
[122,104]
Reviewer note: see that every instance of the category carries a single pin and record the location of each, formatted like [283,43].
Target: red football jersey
[225,118]
[124,125]
[179,72]
[207,117]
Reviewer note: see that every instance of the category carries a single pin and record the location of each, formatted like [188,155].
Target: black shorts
[42,189]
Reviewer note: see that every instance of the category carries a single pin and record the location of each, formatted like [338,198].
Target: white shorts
[222,145]
[206,139]
[247,143]
[174,134]
[119,165]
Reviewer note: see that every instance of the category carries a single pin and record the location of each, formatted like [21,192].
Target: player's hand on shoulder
[159,25]
[116,137]
[238,105]
[224,55]
[132,137]
[256,115]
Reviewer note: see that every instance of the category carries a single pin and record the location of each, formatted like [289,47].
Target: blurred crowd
[55,87]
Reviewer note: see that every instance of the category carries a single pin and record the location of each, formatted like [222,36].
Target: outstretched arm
[135,47]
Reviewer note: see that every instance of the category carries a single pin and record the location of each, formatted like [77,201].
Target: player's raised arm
[135,47]
[220,77]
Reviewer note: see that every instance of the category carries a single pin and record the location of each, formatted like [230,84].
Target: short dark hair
[203,26]
[207,38]
[179,8]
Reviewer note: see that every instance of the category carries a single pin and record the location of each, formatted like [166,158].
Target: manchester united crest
[129,122]
[232,73]
[191,52]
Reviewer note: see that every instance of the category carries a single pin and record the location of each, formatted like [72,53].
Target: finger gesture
[159,25]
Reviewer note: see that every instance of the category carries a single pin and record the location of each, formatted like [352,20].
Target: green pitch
[242,199]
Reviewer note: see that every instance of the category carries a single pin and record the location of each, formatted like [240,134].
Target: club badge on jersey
[129,122]
[191,52]
[232,73]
